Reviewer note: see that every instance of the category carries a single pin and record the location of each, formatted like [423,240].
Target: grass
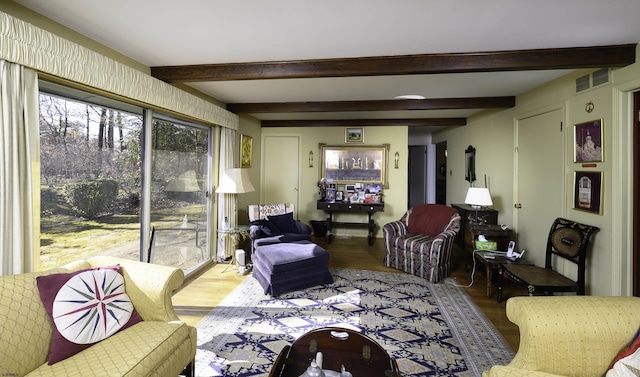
[65,238]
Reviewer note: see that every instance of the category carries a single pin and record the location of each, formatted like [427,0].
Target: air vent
[600,76]
[582,83]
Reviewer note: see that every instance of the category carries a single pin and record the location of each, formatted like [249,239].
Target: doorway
[636,203]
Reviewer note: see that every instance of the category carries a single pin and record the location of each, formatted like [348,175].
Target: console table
[363,208]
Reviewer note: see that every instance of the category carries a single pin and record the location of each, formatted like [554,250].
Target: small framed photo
[339,196]
[331,195]
[354,135]
[588,141]
[245,151]
[587,191]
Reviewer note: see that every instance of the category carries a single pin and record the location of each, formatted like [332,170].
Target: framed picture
[354,135]
[588,141]
[355,165]
[587,191]
[246,145]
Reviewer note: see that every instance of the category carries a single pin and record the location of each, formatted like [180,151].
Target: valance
[28,45]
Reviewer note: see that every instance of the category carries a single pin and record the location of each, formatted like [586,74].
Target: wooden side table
[491,262]
[489,216]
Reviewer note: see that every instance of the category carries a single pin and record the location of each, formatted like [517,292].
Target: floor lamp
[234,181]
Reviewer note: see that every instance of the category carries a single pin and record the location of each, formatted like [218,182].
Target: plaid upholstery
[426,256]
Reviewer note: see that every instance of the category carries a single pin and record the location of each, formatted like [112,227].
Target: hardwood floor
[202,293]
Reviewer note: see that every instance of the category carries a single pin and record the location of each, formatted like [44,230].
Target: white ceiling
[169,32]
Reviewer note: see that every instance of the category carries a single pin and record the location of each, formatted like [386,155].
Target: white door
[540,181]
[281,169]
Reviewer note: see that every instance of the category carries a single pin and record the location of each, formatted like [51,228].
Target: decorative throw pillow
[285,223]
[266,227]
[627,359]
[85,307]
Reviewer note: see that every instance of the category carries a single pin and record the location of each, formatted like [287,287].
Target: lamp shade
[235,181]
[478,196]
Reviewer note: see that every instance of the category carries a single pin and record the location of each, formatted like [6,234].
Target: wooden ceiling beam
[365,122]
[492,61]
[379,105]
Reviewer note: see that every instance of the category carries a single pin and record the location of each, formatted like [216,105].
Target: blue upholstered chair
[420,243]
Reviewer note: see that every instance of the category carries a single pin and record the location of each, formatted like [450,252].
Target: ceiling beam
[379,105]
[492,61]
[365,122]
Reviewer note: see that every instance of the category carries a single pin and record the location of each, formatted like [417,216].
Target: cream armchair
[569,335]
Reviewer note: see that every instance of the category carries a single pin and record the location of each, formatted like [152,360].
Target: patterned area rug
[430,329]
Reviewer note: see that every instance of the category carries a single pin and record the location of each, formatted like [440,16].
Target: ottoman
[289,266]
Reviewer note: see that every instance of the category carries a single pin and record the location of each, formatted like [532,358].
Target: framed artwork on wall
[587,191]
[246,145]
[350,165]
[588,141]
[354,135]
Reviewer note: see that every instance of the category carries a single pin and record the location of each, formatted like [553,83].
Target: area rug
[430,329]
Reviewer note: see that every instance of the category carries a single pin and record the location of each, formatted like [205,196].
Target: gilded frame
[588,141]
[588,187]
[246,147]
[355,164]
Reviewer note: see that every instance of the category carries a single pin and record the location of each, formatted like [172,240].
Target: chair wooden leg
[190,369]
[500,282]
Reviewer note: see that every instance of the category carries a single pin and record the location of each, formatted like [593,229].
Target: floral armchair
[420,243]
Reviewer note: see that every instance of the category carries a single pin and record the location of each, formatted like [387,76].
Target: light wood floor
[202,293]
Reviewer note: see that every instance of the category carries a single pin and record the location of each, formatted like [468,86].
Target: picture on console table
[355,164]
[587,194]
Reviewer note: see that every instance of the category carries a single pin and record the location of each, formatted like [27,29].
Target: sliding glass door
[179,194]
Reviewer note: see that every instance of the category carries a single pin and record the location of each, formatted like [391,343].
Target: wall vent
[600,76]
[582,83]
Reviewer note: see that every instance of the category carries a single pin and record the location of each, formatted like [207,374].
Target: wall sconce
[310,159]
[397,158]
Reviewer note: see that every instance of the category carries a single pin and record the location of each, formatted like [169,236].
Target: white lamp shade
[478,196]
[235,181]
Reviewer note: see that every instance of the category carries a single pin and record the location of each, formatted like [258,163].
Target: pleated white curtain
[226,202]
[19,167]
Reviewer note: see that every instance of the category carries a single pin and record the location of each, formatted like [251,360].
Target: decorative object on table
[470,164]
[421,242]
[351,164]
[587,191]
[477,198]
[447,334]
[588,141]
[354,135]
[246,148]
[568,240]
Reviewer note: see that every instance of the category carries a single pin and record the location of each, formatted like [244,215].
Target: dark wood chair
[360,355]
[568,240]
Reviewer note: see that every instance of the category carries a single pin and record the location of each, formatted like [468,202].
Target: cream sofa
[160,345]
[569,335]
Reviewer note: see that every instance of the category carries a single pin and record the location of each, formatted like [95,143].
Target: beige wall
[492,134]
[395,196]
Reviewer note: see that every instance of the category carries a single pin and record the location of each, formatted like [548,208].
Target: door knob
[517,205]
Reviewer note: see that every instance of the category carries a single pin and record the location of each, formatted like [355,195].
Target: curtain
[19,167]
[26,44]
[226,202]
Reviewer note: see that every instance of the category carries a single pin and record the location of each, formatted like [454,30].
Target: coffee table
[360,355]
[492,261]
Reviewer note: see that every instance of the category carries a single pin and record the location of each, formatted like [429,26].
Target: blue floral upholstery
[419,254]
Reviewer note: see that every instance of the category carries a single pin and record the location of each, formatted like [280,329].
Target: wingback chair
[420,243]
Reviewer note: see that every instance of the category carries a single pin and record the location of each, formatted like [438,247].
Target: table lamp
[478,197]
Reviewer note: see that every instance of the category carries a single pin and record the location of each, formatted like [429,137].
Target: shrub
[92,198]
